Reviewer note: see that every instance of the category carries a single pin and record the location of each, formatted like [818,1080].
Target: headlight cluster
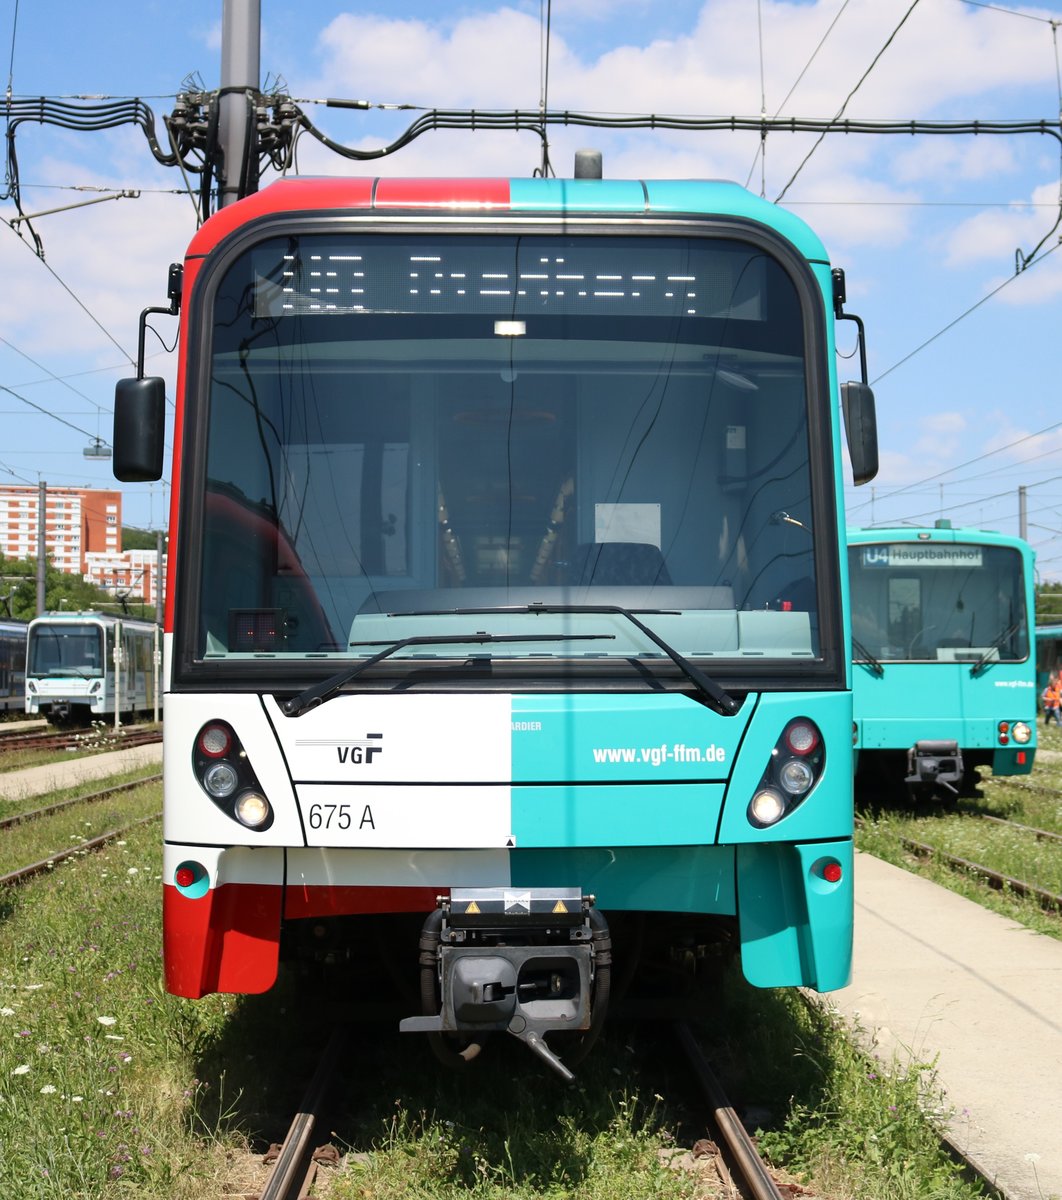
[221,766]
[1017,731]
[793,770]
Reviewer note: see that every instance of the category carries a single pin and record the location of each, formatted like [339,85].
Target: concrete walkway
[938,978]
[39,781]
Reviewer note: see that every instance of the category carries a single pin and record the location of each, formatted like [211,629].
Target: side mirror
[139,429]
[861,430]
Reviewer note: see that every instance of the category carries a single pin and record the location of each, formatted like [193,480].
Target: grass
[99,738]
[13,806]
[40,839]
[96,1081]
[1034,800]
[109,1086]
[848,1125]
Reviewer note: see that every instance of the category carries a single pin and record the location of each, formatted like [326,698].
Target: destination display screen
[914,554]
[508,276]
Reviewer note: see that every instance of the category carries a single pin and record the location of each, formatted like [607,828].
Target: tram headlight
[252,809]
[767,806]
[1020,732]
[225,773]
[220,780]
[794,768]
[796,776]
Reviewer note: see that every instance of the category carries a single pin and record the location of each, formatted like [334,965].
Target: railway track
[995,879]
[750,1174]
[36,813]
[296,1162]
[22,874]
[73,740]
[1023,785]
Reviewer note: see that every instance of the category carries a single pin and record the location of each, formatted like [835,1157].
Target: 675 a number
[330,816]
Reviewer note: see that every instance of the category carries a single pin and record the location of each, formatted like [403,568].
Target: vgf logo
[361,750]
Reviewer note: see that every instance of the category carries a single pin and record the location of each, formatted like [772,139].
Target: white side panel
[399,739]
[240,865]
[191,816]
[398,868]
[446,817]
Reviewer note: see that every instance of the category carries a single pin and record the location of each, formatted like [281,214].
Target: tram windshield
[66,649]
[399,427]
[938,602]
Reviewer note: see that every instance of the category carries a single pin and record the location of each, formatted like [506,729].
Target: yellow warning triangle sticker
[473,907]
[560,907]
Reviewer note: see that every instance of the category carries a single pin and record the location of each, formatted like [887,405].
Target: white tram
[82,666]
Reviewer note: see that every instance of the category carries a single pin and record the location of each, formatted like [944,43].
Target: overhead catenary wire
[959,466]
[847,99]
[953,507]
[55,417]
[761,150]
[84,307]
[963,315]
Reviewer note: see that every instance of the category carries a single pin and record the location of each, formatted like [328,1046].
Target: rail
[294,1164]
[756,1180]
[45,864]
[36,813]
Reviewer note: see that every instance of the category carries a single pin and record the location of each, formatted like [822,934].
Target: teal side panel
[827,810]
[695,879]
[685,196]
[795,927]
[635,815]
[713,196]
[941,700]
[1014,760]
[623,738]
[576,195]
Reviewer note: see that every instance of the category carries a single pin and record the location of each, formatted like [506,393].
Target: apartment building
[77,522]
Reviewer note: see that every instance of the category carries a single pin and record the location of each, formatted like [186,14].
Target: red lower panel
[226,941]
[331,901]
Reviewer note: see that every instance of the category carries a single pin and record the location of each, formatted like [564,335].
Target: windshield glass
[65,650]
[408,424]
[943,601]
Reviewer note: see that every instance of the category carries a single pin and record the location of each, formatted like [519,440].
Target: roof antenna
[546,170]
[588,164]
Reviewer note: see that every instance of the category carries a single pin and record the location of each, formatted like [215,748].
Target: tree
[1049,604]
[18,591]
[139,539]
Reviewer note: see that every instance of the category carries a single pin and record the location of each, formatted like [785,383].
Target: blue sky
[927,229]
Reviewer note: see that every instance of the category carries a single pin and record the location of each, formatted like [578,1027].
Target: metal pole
[156,660]
[156,653]
[158,577]
[42,549]
[1023,524]
[241,25]
[117,675]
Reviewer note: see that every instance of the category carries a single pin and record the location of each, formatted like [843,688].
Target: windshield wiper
[318,693]
[982,662]
[723,702]
[866,657]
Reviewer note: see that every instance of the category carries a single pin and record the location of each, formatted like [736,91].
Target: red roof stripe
[442,193]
